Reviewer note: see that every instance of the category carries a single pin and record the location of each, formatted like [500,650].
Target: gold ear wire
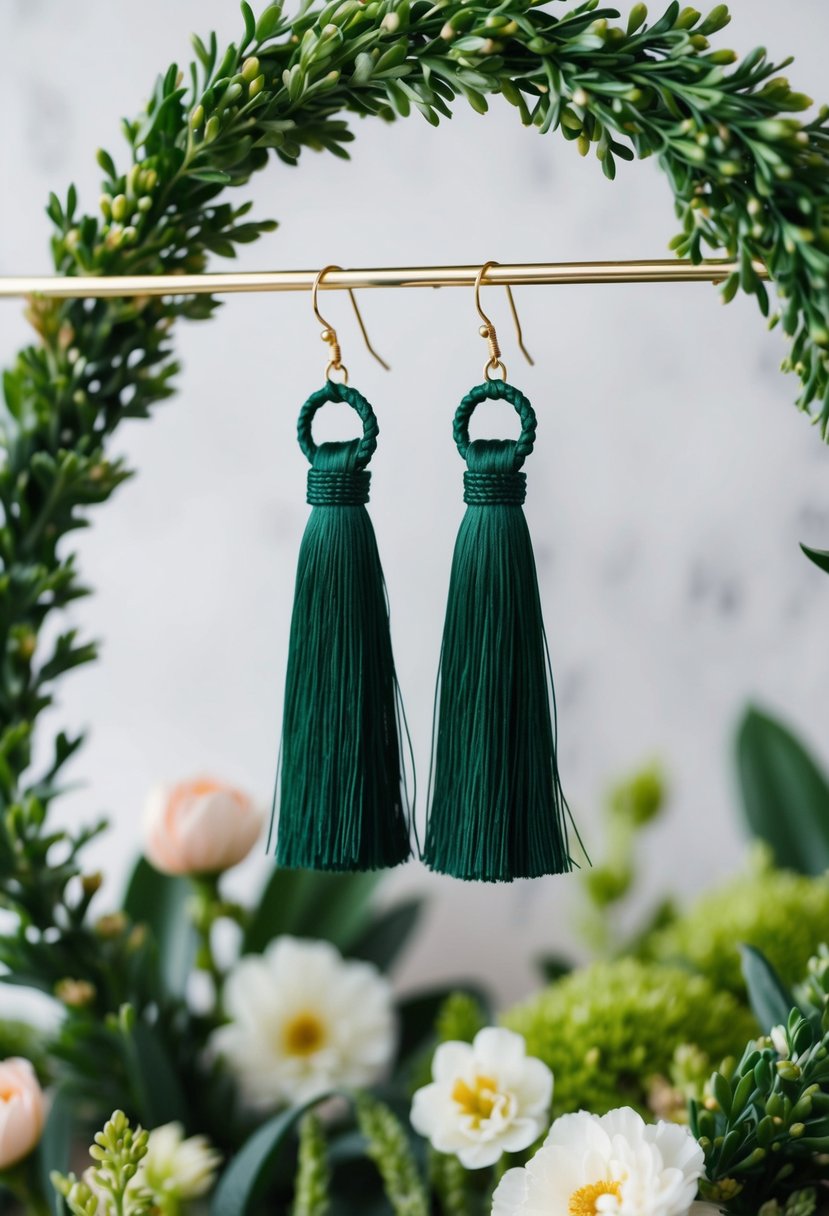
[487,330]
[329,333]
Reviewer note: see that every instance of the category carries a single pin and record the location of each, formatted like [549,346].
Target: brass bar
[552,273]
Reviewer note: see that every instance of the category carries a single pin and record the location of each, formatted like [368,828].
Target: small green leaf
[250,22]
[211,175]
[268,22]
[819,556]
[332,907]
[785,794]
[770,1000]
[161,903]
[385,938]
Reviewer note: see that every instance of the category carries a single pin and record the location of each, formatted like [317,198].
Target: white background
[670,486]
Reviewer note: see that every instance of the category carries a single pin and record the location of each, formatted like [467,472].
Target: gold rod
[561,273]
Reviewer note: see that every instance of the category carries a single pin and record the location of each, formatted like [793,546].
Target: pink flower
[22,1111]
[199,827]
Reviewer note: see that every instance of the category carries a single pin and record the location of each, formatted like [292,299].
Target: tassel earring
[341,791]
[497,810]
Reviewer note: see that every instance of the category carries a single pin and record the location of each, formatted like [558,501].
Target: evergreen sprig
[749,179]
[764,1126]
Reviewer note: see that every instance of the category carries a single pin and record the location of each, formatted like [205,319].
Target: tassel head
[497,810]
[341,790]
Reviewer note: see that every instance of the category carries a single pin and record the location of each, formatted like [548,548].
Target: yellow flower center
[478,1099]
[584,1201]
[7,1092]
[304,1034]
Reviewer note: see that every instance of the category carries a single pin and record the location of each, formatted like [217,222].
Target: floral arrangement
[244,1058]
[660,1079]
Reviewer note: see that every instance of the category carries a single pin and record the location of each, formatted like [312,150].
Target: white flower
[486,1098]
[304,1021]
[175,1168]
[609,1165]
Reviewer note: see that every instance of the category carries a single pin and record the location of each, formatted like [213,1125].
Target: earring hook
[487,330]
[329,333]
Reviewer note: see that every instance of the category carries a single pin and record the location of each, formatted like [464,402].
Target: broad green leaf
[785,794]
[819,556]
[55,1148]
[161,903]
[333,907]
[247,1176]
[769,998]
[154,1078]
[388,933]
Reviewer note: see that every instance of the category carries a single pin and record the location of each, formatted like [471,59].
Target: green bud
[717,19]
[250,69]
[256,86]
[197,117]
[723,57]
[105,204]
[119,207]
[787,1070]
[797,1129]
[687,19]
[212,129]
[638,17]
[149,180]
[390,23]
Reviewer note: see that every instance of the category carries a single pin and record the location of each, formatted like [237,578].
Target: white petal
[510,1193]
[453,1060]
[500,1052]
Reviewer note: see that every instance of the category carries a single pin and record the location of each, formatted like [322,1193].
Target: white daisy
[303,1021]
[608,1165]
[486,1098]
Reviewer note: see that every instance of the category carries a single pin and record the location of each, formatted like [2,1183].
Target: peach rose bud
[199,827]
[22,1111]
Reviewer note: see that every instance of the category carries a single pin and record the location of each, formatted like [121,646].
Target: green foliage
[313,1178]
[764,1127]
[609,1030]
[388,1147]
[785,793]
[779,913]
[111,1188]
[249,1174]
[769,999]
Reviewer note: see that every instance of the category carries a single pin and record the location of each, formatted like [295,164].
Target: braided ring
[496,390]
[334,391]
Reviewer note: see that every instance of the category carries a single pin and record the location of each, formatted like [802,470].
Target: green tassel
[343,803]
[497,810]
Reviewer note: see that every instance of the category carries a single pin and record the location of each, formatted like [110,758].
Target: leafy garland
[748,178]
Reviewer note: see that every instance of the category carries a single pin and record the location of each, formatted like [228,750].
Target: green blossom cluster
[780,913]
[607,1030]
